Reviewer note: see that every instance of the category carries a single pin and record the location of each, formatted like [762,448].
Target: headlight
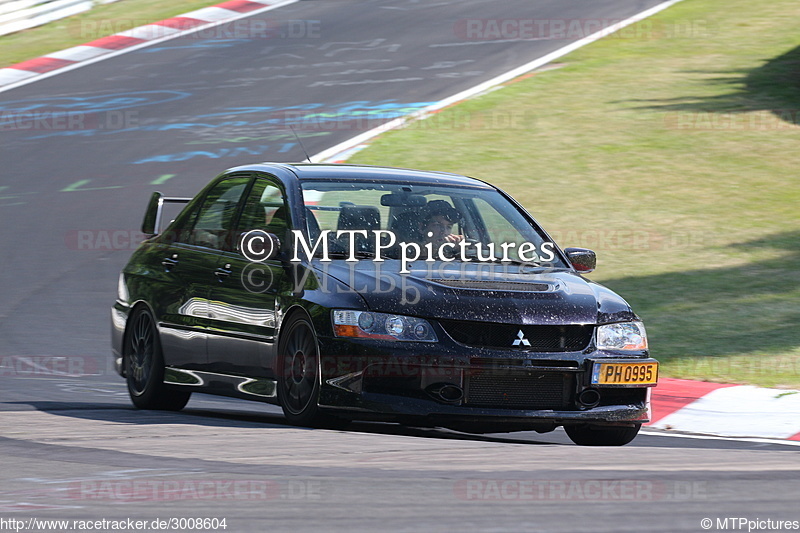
[364,324]
[626,336]
[122,289]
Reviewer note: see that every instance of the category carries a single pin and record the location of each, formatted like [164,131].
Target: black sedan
[344,292]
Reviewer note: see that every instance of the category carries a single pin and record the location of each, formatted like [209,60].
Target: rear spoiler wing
[151,225]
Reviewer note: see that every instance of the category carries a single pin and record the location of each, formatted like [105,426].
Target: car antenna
[296,136]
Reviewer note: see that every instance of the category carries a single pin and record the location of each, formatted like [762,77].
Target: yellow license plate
[625,373]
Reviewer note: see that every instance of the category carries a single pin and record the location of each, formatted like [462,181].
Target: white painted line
[149,32]
[334,153]
[14,75]
[79,53]
[213,14]
[36,77]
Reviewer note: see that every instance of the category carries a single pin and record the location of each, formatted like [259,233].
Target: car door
[242,325]
[189,263]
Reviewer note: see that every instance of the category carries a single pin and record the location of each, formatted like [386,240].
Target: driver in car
[436,226]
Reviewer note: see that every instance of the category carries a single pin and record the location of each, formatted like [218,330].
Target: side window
[265,209]
[213,224]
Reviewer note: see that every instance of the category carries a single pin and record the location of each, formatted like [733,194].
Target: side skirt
[260,389]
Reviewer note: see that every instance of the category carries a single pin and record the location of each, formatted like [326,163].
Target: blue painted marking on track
[12,111]
[210,154]
[315,115]
[258,109]
[353,109]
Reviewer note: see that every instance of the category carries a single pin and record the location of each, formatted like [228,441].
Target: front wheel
[602,436]
[144,367]
[299,377]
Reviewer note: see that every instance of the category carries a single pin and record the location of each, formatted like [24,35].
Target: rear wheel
[144,367]
[602,436]
[299,377]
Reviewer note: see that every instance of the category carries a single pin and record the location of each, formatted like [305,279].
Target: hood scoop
[494,285]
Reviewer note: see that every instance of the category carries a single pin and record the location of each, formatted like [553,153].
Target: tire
[299,378]
[144,366]
[602,436]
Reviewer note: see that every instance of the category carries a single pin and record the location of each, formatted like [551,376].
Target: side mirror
[582,259]
[152,214]
[258,245]
[151,225]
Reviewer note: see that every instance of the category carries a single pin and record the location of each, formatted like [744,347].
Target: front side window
[213,224]
[265,209]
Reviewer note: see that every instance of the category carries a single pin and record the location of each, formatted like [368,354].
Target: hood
[482,292]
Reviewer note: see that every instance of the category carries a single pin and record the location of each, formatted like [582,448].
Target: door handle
[223,272]
[170,262]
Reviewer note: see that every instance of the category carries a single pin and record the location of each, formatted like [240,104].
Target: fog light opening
[447,392]
[589,398]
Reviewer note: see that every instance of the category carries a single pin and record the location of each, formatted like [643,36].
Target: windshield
[390,220]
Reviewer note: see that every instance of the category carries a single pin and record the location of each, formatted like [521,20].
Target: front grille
[519,390]
[535,338]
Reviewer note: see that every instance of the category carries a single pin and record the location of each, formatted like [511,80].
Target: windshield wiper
[336,254]
[519,262]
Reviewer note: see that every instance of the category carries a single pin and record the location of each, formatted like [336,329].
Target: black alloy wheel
[144,367]
[299,376]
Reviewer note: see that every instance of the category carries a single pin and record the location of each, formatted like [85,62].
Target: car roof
[337,172]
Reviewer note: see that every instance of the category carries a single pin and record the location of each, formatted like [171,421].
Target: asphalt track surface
[171,116]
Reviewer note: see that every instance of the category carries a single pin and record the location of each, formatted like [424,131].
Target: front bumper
[426,412]
[463,387]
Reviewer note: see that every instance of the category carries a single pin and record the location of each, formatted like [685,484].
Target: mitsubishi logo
[521,340]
